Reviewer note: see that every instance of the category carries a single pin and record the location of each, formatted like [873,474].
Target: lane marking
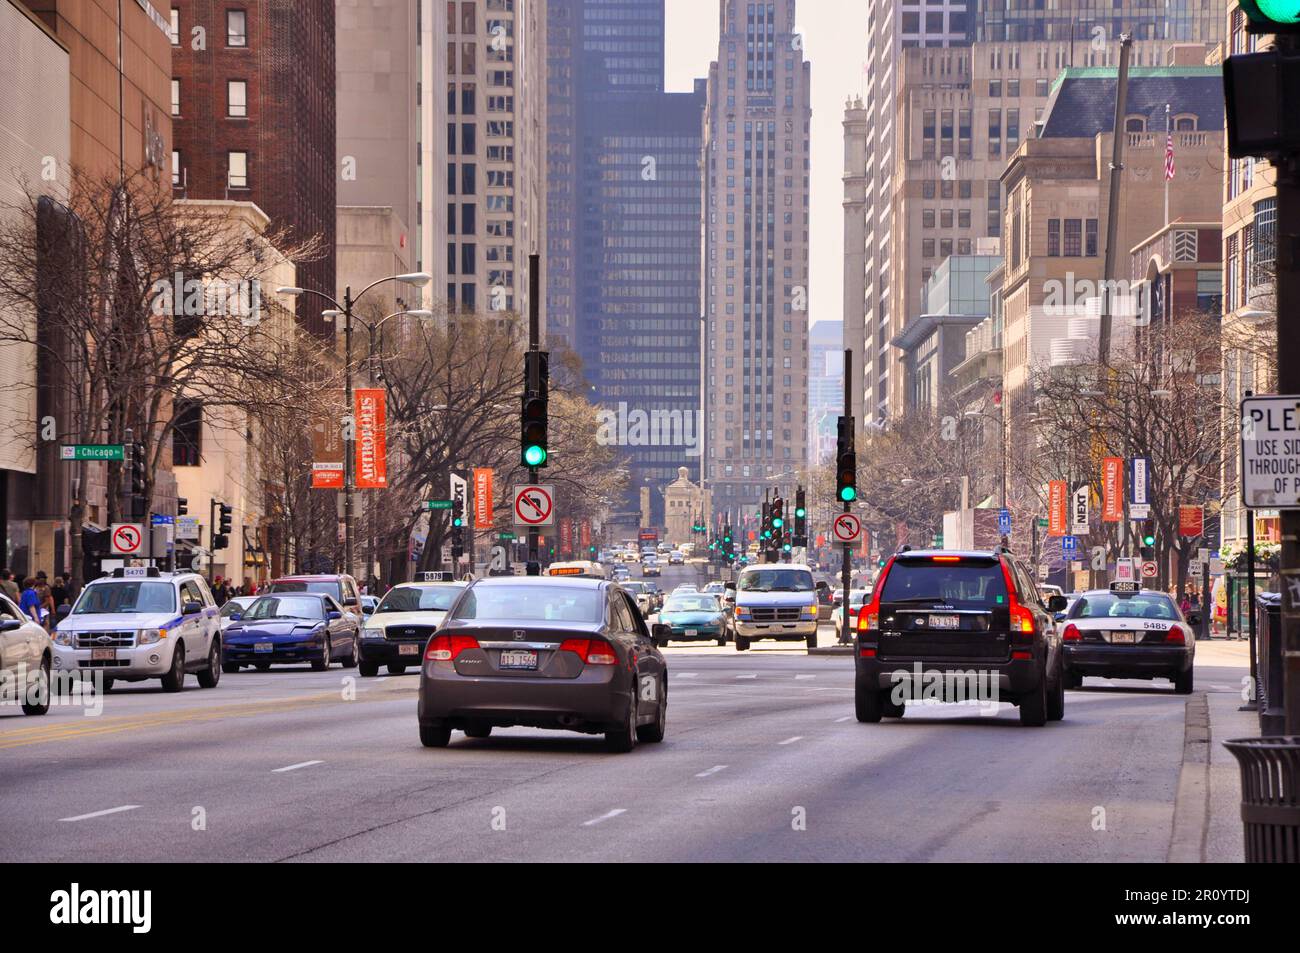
[604,817]
[295,767]
[746,676]
[798,677]
[687,674]
[845,718]
[790,741]
[111,810]
[713,770]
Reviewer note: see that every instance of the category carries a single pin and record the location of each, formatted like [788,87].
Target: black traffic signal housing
[846,462]
[800,517]
[533,448]
[225,520]
[765,528]
[779,529]
[1148,539]
[139,500]
[182,506]
[457,526]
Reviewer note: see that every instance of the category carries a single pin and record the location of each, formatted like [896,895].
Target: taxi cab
[1128,632]
[396,633]
[140,623]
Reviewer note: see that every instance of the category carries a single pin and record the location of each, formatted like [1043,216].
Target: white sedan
[25,653]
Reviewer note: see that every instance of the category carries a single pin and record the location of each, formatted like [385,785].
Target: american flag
[1169,157]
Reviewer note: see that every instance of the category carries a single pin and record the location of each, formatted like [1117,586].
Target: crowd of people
[37,596]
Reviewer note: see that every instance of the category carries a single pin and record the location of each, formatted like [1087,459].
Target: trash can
[1268,663]
[1270,797]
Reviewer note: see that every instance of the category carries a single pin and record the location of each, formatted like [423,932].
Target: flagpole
[1167,134]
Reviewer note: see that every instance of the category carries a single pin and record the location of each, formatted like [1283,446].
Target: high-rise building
[624,233]
[825,379]
[755,277]
[253,108]
[492,162]
[1080,21]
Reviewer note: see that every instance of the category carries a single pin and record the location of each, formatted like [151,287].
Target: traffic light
[457,526]
[800,518]
[1271,16]
[764,526]
[139,501]
[182,506]
[221,531]
[1148,540]
[778,514]
[533,436]
[846,462]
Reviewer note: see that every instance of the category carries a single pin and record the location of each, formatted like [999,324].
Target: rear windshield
[531,603]
[963,585]
[1107,606]
[323,586]
[126,597]
[775,580]
[416,599]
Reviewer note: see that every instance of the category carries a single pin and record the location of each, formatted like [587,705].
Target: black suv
[960,626]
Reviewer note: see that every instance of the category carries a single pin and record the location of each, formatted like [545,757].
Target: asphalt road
[763,761]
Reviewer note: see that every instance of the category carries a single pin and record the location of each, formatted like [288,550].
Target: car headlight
[372,634]
[150,636]
[742,612]
[63,638]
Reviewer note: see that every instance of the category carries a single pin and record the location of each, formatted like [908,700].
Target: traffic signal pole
[1288,382]
[534,382]
[846,568]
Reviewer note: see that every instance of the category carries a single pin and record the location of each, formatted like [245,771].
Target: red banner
[483,515]
[584,531]
[1191,521]
[1058,508]
[1112,490]
[566,537]
[371,412]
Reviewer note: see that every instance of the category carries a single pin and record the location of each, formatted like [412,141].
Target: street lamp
[418,279]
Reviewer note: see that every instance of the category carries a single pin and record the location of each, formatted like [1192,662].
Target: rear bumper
[594,701]
[1127,661]
[972,678]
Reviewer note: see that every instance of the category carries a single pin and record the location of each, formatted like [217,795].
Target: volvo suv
[945,626]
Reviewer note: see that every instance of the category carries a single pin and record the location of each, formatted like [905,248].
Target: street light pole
[349,433]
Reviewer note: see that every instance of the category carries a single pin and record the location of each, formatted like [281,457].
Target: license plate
[692,632]
[103,655]
[263,647]
[518,659]
[945,622]
[1126,638]
[408,650]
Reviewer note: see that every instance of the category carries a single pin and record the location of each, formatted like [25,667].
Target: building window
[176,168]
[236,28]
[187,434]
[1090,238]
[1053,238]
[1073,244]
[176,97]
[236,98]
[237,177]
[174,28]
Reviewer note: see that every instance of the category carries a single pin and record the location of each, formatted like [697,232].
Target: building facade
[755,277]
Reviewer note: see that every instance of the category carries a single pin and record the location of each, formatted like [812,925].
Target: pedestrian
[48,607]
[30,601]
[8,585]
[59,590]
[1186,604]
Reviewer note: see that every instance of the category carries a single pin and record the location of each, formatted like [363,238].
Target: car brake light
[1022,656]
[591,651]
[867,653]
[447,648]
[1022,619]
[945,559]
[1071,633]
[1175,636]
[869,616]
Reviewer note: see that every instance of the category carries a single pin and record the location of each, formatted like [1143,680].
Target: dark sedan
[564,653]
[290,628]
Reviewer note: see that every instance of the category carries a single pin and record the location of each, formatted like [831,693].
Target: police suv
[140,623]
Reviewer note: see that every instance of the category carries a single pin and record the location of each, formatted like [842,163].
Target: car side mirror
[235,616]
[333,614]
[192,608]
[661,632]
[1057,603]
[8,625]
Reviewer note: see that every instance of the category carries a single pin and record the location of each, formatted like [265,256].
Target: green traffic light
[847,494]
[1280,11]
[457,522]
[787,547]
[778,522]
[1148,540]
[801,512]
[535,456]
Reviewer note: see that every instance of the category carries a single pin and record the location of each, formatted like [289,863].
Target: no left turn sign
[127,537]
[1150,570]
[534,505]
[846,528]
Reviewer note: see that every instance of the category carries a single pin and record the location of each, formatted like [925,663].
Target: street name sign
[437,504]
[92,451]
[1270,452]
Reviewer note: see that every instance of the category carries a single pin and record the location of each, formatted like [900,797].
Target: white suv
[141,623]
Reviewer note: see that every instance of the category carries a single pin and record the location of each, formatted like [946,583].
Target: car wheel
[350,661]
[655,733]
[478,731]
[811,641]
[230,668]
[434,737]
[368,669]
[209,676]
[622,738]
[1033,706]
[742,643]
[39,694]
[262,666]
[322,663]
[395,669]
[867,704]
[890,708]
[174,681]
[722,640]
[1183,682]
[1056,697]
[1072,679]
[106,686]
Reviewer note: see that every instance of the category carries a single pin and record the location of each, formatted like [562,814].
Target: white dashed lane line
[713,770]
[845,718]
[790,741]
[295,767]
[798,678]
[111,810]
[687,674]
[604,817]
[746,676]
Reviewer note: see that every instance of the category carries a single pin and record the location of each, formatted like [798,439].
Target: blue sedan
[693,616]
[290,628]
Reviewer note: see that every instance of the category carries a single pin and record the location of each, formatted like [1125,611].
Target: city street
[763,761]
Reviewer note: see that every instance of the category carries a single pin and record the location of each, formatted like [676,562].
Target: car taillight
[1022,619]
[869,616]
[1071,633]
[1175,636]
[446,648]
[591,651]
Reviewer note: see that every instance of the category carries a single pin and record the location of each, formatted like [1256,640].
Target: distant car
[650,567]
[26,656]
[686,587]
[774,601]
[693,616]
[676,559]
[567,653]
[287,628]
[620,573]
[1126,632]
[716,588]
[233,608]
[857,597]
[406,619]
[368,606]
[341,587]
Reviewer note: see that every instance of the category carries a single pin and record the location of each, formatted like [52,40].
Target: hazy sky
[835,37]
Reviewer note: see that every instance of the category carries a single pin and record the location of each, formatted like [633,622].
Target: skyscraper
[755,275]
[623,237]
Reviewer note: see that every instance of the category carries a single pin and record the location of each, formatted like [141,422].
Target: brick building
[253,109]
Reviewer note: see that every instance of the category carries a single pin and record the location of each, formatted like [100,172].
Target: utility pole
[349,435]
